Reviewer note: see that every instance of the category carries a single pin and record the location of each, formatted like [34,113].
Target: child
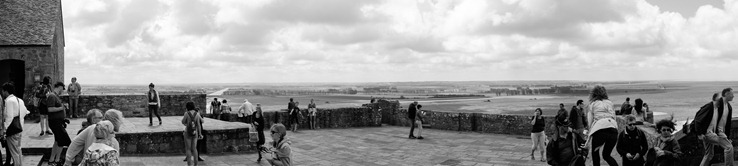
[281,150]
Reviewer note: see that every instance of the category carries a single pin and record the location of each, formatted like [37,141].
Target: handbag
[15,126]
[253,135]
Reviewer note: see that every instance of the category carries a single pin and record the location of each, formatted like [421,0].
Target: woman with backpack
[192,133]
[103,151]
[41,92]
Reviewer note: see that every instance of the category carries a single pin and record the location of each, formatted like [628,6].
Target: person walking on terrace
[74,90]
[604,129]
[626,107]
[312,112]
[57,122]
[537,135]
[192,133]
[712,124]
[245,111]
[42,92]
[666,151]
[633,144]
[578,120]
[259,123]
[12,128]
[154,104]
[412,110]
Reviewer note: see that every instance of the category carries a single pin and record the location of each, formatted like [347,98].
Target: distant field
[679,98]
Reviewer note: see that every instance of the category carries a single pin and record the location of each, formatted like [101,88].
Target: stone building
[31,42]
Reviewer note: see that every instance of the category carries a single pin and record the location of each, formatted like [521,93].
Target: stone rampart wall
[137,105]
[217,142]
[325,118]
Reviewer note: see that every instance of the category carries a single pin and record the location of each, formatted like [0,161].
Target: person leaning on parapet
[625,108]
[411,112]
[712,124]
[578,120]
[14,107]
[74,90]
[154,104]
[312,112]
[634,151]
[537,135]
[226,111]
[245,111]
[604,128]
[57,122]
[639,111]
[86,138]
[215,108]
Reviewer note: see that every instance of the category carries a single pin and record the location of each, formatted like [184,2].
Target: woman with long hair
[537,135]
[603,127]
[258,122]
[192,133]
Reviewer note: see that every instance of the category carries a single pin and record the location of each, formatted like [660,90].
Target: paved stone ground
[31,131]
[386,145]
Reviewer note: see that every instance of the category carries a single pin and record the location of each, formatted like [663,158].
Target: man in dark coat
[712,125]
[578,120]
[633,144]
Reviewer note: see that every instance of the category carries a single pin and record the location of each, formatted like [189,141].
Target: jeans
[710,141]
[73,106]
[154,109]
[412,127]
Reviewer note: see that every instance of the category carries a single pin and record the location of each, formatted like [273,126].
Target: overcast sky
[234,41]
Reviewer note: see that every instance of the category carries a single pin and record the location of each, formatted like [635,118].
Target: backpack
[191,128]
[103,155]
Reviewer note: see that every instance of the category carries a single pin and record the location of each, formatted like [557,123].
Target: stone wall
[137,105]
[40,60]
[325,118]
[217,142]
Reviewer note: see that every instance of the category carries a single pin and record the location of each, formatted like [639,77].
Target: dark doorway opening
[12,70]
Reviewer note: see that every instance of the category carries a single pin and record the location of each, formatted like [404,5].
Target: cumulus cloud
[387,40]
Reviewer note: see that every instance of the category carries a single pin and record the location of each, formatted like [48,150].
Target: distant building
[31,42]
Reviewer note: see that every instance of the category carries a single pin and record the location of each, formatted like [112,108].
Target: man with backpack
[411,112]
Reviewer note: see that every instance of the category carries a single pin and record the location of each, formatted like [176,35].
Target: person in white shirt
[246,110]
[14,107]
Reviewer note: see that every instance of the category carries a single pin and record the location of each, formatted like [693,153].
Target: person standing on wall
[412,110]
[74,91]
[245,111]
[215,108]
[56,122]
[14,107]
[42,92]
[154,104]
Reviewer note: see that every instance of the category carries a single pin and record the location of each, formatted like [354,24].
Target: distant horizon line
[261,83]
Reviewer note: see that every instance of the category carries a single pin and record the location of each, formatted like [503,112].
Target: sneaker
[185,160]
[42,134]
[49,132]
[420,137]
[159,123]
[151,124]
[200,158]
[412,137]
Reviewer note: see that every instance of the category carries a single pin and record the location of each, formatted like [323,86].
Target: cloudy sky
[235,41]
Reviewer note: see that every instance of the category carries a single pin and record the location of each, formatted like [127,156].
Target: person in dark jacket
[578,120]
[626,108]
[562,122]
[561,150]
[411,112]
[632,143]
[666,151]
[259,123]
[712,125]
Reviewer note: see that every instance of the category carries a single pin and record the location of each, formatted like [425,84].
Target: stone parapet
[137,105]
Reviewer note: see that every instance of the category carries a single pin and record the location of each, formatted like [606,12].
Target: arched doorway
[15,71]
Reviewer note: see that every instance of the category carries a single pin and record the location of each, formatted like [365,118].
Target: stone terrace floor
[386,145]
